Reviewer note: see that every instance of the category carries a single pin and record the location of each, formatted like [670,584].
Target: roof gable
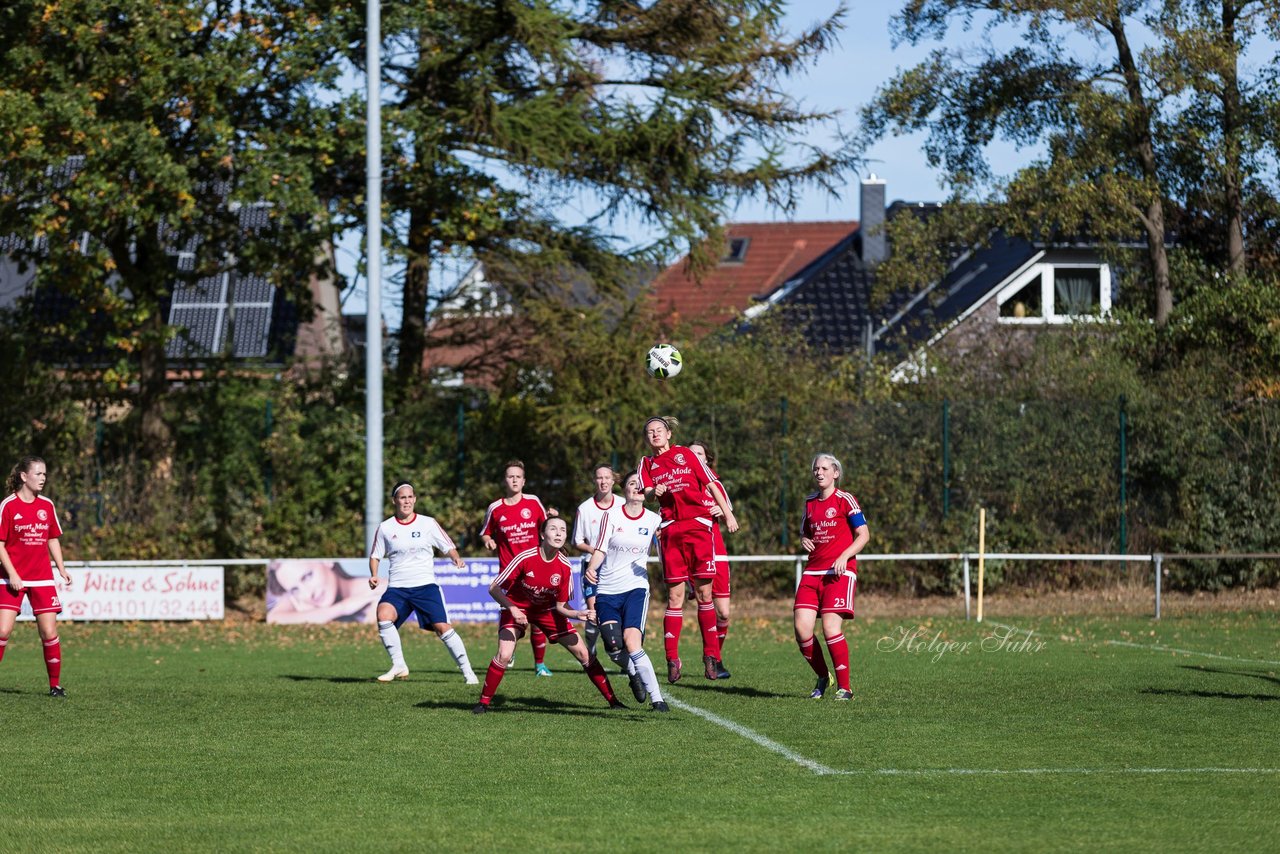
[774,253]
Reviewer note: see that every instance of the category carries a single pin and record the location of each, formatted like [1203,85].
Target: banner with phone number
[139,593]
[336,590]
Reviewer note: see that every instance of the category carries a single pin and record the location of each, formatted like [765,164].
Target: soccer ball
[663,361]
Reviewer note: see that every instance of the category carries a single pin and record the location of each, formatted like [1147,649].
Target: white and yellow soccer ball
[663,361]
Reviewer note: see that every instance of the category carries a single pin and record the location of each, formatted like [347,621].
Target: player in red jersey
[534,590]
[833,531]
[719,586]
[511,527]
[680,481]
[29,533]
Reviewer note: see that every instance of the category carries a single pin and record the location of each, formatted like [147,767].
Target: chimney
[874,246]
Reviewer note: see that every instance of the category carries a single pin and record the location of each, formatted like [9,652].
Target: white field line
[825,771]
[1151,647]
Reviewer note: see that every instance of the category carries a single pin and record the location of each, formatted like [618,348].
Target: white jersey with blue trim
[407,547]
[626,542]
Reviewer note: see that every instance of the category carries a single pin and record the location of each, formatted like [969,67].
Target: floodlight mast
[373,256]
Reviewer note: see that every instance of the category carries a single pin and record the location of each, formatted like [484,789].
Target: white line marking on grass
[752,735]
[825,771]
[1155,647]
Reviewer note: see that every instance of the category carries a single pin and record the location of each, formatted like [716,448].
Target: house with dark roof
[993,296]
[229,314]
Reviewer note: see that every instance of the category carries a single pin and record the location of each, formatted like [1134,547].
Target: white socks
[391,640]
[459,652]
[640,661]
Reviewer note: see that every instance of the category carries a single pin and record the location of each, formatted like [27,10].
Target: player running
[720,586]
[833,531]
[29,533]
[534,590]
[510,527]
[586,525]
[680,481]
[406,541]
[617,568]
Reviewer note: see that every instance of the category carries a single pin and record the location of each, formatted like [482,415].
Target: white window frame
[1049,314]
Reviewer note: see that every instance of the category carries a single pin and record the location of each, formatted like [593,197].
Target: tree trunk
[157,439]
[417,279]
[1142,147]
[1232,171]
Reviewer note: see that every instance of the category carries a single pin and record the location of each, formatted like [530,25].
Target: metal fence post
[966,586]
[1159,561]
[946,457]
[1124,467]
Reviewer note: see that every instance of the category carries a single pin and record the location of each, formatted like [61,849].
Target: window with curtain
[1077,291]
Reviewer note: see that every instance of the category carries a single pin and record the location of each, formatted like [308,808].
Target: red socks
[722,629]
[4,642]
[707,623]
[839,649]
[53,660]
[672,623]
[491,679]
[538,639]
[598,678]
[813,654]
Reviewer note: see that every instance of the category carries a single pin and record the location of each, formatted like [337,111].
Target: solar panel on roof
[198,334]
[251,327]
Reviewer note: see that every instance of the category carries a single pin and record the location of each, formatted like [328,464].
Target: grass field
[1098,732]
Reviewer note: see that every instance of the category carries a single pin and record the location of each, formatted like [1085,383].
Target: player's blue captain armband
[857,520]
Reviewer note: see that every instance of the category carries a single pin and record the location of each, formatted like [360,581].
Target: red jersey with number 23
[513,526]
[25,530]
[686,478]
[830,523]
[533,582]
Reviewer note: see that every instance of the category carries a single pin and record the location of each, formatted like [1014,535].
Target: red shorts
[554,624]
[44,600]
[827,594]
[687,551]
[720,586]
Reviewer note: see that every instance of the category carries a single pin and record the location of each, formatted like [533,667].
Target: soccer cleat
[673,670]
[401,672]
[721,672]
[660,706]
[637,687]
[844,694]
[541,669]
[470,679]
[711,667]
[616,704]
[820,688]
[479,709]
[57,691]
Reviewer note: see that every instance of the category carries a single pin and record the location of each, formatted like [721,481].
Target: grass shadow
[1252,674]
[528,705]
[719,687]
[337,680]
[1211,695]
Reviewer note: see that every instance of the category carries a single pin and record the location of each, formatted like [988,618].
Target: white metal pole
[373,242]
[966,587]
[1159,561]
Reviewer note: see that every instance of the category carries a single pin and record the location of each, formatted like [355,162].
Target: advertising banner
[139,593]
[336,590]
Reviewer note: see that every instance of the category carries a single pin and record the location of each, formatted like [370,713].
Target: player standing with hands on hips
[833,531]
[680,481]
[406,540]
[29,533]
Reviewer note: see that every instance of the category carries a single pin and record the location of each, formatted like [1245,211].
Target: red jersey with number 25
[25,530]
[686,478]
[830,523]
[532,581]
[513,526]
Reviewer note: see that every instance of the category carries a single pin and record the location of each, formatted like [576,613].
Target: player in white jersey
[586,526]
[617,569]
[409,542]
